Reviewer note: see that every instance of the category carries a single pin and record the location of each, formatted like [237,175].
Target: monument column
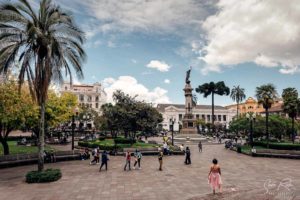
[188,121]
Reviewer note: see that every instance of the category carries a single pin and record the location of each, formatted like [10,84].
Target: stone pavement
[243,177]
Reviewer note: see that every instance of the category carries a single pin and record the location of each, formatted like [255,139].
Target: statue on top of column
[187,78]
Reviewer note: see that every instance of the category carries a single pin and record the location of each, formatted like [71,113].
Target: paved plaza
[243,177]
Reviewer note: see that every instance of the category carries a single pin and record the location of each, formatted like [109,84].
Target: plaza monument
[189,120]
[188,133]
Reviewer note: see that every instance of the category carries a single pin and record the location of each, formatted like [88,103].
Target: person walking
[187,156]
[165,146]
[127,160]
[104,159]
[97,155]
[200,146]
[138,157]
[160,159]
[214,176]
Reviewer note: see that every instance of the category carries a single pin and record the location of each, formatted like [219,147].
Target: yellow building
[251,105]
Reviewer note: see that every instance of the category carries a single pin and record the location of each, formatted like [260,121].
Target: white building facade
[92,96]
[177,111]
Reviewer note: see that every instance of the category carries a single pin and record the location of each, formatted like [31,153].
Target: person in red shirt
[127,161]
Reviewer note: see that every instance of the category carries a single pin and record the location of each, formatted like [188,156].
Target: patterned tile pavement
[243,177]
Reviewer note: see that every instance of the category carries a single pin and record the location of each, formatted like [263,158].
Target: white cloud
[111,44]
[160,16]
[159,65]
[167,81]
[97,43]
[264,32]
[130,85]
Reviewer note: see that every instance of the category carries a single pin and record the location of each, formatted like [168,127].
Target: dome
[250,100]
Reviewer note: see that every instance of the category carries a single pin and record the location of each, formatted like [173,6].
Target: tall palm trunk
[293,130]
[237,109]
[41,143]
[213,111]
[267,126]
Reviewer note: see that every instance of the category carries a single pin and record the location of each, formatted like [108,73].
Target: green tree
[265,95]
[15,109]
[130,115]
[212,88]
[45,42]
[110,119]
[237,95]
[291,106]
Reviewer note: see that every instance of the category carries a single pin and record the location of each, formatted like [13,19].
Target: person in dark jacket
[104,159]
[187,156]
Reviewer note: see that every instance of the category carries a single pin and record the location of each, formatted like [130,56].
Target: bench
[27,159]
[276,153]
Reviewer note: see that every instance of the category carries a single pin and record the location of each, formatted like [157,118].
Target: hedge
[279,146]
[49,175]
[95,145]
[124,141]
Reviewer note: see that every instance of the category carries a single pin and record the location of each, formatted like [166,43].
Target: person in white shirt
[165,148]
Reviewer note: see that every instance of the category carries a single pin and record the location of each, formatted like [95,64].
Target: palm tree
[212,88]
[265,95]
[237,95]
[46,43]
[291,106]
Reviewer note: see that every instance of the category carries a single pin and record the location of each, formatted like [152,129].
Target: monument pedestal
[189,125]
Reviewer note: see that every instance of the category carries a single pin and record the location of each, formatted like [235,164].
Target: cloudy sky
[144,47]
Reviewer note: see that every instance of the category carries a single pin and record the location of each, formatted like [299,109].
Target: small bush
[49,175]
[101,138]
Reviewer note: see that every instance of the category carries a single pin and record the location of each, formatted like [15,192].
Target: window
[224,118]
[81,97]
[97,105]
[208,118]
[66,88]
[97,98]
[197,116]
[203,117]
[219,118]
[180,117]
[89,98]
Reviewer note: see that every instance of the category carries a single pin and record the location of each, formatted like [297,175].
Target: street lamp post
[173,121]
[74,125]
[251,118]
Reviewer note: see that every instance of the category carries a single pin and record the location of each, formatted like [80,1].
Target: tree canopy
[129,115]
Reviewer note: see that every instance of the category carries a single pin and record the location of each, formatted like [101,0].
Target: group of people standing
[214,175]
[137,159]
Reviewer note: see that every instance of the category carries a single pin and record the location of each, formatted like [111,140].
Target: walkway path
[243,178]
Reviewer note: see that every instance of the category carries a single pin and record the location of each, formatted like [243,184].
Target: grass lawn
[247,149]
[21,149]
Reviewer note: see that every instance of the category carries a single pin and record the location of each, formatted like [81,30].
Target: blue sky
[246,43]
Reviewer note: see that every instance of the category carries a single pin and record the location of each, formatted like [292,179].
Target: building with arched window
[92,96]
